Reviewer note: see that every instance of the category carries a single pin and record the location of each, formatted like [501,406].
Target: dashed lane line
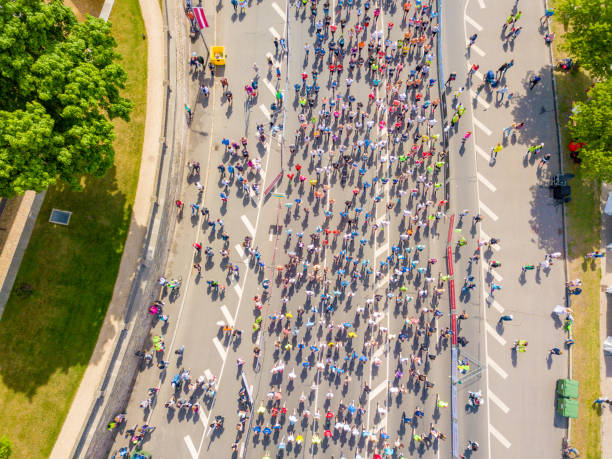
[378,389]
[486,237]
[495,399]
[485,182]
[482,127]
[494,334]
[270,86]
[480,100]
[228,317]
[488,211]
[491,302]
[279,10]
[491,363]
[249,226]
[191,446]
[473,23]
[273,31]
[481,152]
[220,348]
[503,440]
[479,51]
[265,111]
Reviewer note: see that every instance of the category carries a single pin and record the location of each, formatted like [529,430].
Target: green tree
[589,35]
[59,88]
[5,447]
[591,123]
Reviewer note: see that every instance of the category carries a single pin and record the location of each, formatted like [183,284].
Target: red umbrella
[328,433]
[298,167]
[329,415]
[291,175]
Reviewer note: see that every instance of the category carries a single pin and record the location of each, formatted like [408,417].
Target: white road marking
[382,249]
[480,100]
[382,386]
[238,289]
[279,10]
[478,51]
[482,127]
[270,86]
[496,367]
[485,182]
[498,277]
[491,301]
[473,23]
[203,417]
[486,237]
[265,111]
[209,376]
[495,399]
[494,334]
[379,352]
[481,3]
[503,440]
[482,153]
[191,447]
[240,250]
[488,211]
[220,348]
[250,228]
[273,31]
[383,281]
[228,317]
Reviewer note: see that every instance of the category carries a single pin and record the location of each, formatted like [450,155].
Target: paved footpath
[510,193]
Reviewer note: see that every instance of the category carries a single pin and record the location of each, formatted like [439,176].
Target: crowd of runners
[360,172]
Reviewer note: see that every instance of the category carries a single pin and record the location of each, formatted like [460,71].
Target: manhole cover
[60,217]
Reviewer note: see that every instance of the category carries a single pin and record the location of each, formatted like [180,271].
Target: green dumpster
[567,407]
[567,388]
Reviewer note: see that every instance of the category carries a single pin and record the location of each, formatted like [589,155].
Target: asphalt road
[196,310]
[517,419]
[510,192]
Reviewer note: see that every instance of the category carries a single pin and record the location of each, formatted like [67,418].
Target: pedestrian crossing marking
[191,447]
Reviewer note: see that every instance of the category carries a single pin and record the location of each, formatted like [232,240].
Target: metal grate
[60,217]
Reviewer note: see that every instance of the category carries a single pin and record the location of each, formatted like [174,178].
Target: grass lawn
[583,226]
[47,336]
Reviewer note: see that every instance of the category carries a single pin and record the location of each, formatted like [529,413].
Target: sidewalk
[130,261]
[605,325]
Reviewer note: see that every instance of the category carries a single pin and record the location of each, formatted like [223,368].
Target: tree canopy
[591,124]
[589,36]
[59,88]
